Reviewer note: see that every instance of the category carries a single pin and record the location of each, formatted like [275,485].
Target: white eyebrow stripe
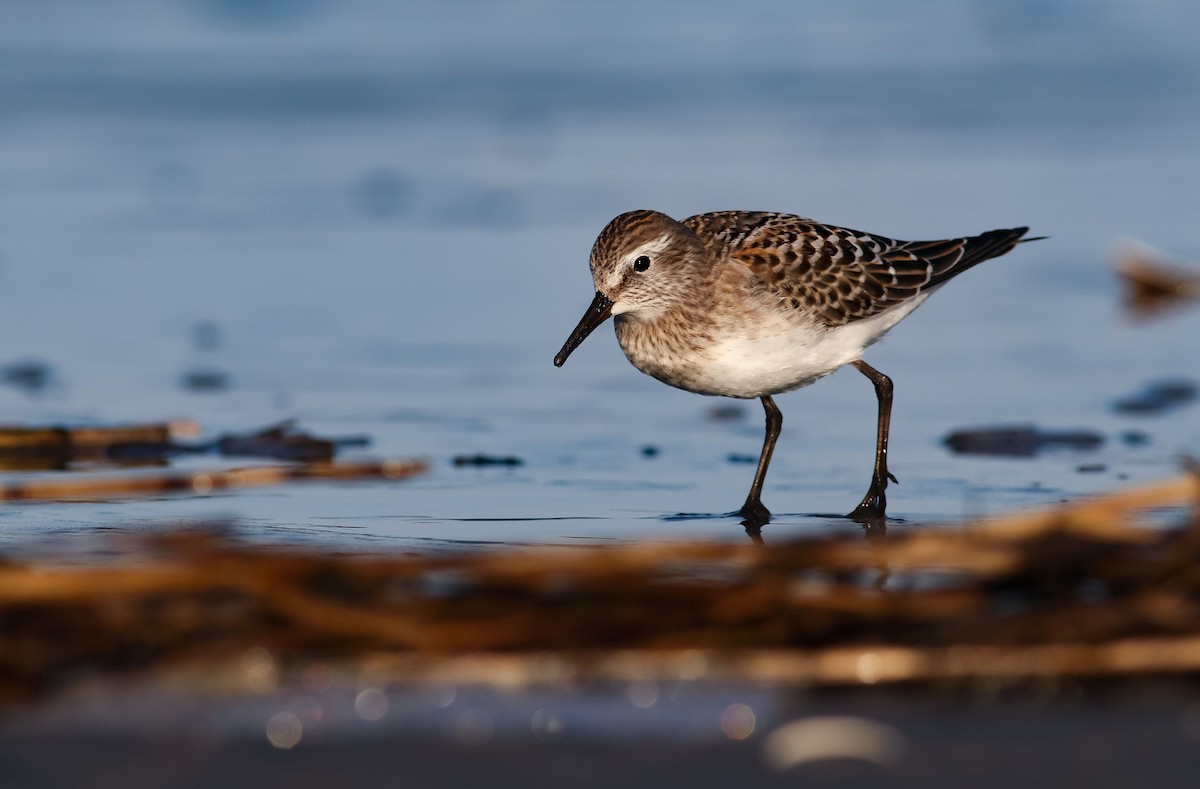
[650,249]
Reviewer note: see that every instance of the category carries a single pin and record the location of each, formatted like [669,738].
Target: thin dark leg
[875,502]
[753,510]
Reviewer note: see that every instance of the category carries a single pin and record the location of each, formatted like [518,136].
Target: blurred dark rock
[1157,397]
[283,442]
[31,375]
[1135,438]
[1021,441]
[205,380]
[487,460]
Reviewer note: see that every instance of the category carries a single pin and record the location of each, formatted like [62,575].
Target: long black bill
[599,311]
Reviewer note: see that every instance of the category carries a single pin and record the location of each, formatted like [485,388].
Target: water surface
[387,212]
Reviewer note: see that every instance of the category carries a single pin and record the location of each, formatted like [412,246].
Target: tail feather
[976,249]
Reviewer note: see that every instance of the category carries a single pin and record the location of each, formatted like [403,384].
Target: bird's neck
[675,331]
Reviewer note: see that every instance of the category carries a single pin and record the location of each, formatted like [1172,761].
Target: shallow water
[387,212]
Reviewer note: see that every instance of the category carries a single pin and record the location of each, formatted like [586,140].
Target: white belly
[779,359]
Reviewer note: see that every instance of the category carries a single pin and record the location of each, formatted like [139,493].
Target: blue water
[387,209]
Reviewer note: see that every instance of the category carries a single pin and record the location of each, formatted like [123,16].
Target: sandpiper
[751,304]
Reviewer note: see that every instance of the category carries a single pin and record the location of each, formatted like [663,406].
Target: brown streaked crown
[628,231]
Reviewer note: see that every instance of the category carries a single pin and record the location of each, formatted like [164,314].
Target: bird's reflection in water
[874,529]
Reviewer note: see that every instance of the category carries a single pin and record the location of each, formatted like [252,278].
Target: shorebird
[752,304]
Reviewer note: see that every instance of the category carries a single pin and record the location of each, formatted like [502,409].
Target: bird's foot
[754,514]
[872,510]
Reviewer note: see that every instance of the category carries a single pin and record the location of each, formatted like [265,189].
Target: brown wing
[836,274]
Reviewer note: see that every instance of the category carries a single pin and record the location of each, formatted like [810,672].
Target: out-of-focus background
[375,217]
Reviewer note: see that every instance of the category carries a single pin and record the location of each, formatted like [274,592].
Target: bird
[752,304]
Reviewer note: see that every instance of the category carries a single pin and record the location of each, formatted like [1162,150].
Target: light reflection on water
[386,213]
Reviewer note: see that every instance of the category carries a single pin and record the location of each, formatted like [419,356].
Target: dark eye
[641,264]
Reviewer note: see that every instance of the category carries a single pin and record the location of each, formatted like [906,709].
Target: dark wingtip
[1014,233]
[559,360]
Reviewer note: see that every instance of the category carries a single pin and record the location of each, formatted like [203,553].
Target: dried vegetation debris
[85,487]
[1153,285]
[1084,589]
[24,447]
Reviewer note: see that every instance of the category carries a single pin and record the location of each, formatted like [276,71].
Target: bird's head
[642,265]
